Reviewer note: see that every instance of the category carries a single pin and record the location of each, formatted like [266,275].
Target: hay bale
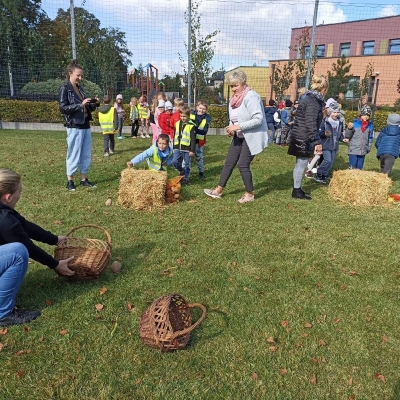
[360,188]
[141,189]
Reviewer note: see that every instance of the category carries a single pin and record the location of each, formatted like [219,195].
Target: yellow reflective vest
[183,138]
[107,121]
[154,162]
[143,111]
[201,126]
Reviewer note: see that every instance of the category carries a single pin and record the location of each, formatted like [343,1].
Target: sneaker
[309,174]
[134,137]
[121,137]
[299,194]
[147,136]
[19,317]
[201,176]
[212,193]
[246,198]
[111,151]
[106,154]
[185,182]
[319,179]
[143,137]
[71,186]
[88,184]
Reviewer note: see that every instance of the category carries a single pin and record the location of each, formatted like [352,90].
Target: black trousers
[135,128]
[387,161]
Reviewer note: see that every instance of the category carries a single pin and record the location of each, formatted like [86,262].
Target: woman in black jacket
[305,140]
[77,108]
[16,234]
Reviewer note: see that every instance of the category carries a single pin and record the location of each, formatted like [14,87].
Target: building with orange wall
[375,41]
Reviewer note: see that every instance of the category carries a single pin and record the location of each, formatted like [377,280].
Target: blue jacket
[269,114]
[165,157]
[360,142]
[388,141]
[330,142]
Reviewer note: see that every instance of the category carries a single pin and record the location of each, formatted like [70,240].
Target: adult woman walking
[249,132]
[16,247]
[305,140]
[77,108]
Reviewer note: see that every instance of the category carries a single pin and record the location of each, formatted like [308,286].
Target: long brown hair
[71,67]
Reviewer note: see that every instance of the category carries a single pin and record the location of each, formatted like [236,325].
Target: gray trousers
[298,171]
[239,153]
[387,161]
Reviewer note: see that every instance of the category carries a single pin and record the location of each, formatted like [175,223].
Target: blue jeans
[120,125]
[356,162]
[271,132]
[79,153]
[327,162]
[199,158]
[13,265]
[177,159]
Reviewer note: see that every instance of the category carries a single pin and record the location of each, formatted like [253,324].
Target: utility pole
[72,12]
[311,52]
[189,77]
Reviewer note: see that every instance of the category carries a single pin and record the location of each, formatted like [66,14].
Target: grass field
[302,297]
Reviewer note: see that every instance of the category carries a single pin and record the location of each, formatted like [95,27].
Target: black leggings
[239,153]
[135,128]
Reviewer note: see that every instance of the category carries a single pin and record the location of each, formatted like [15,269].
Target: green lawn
[302,297]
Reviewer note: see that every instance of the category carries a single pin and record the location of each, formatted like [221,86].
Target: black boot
[19,317]
[299,194]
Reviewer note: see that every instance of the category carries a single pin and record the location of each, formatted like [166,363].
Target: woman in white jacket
[249,132]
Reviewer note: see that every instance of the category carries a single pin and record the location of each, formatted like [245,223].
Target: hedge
[41,111]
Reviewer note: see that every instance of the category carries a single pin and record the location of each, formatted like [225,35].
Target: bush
[52,87]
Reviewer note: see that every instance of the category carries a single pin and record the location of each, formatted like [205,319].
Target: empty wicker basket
[167,323]
[91,256]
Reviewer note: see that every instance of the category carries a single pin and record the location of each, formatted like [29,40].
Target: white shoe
[106,154]
[121,137]
[147,136]
[142,136]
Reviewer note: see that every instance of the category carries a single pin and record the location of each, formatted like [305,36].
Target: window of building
[320,51]
[352,88]
[344,49]
[306,52]
[394,46]
[368,48]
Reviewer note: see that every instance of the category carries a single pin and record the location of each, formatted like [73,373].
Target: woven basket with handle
[167,323]
[91,256]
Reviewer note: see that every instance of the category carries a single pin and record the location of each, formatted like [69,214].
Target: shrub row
[40,111]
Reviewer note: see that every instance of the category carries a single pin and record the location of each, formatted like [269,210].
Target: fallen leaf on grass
[19,353]
[343,287]
[322,342]
[27,329]
[308,325]
[368,319]
[304,334]
[99,307]
[20,374]
[313,359]
[352,273]
[57,222]
[350,382]
[285,323]
[323,359]
[48,302]
[336,320]
[384,338]
[380,377]
[273,349]
[129,307]
[313,379]
[3,331]
[63,332]
[103,290]
[283,371]
[352,397]
[292,207]
[1,346]
[271,340]
[255,376]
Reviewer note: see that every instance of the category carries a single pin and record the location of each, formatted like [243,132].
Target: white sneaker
[142,136]
[106,154]
[111,152]
[121,137]
[245,198]
[147,136]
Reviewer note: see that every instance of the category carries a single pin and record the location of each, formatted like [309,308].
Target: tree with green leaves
[202,51]
[339,77]
[283,78]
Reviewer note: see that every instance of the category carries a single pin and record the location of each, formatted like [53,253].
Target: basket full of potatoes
[173,190]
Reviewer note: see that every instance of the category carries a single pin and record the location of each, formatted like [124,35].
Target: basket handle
[91,226]
[195,325]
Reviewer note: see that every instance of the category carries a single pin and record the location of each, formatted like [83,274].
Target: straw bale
[360,188]
[142,189]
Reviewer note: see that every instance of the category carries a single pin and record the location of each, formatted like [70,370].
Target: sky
[251,32]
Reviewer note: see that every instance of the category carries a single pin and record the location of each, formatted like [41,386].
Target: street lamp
[375,96]
[271,80]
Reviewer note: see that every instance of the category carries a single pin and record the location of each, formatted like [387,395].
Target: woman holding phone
[77,109]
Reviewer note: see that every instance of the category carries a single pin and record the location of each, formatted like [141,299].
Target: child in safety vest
[157,156]
[108,119]
[134,115]
[184,144]
[144,116]
[202,121]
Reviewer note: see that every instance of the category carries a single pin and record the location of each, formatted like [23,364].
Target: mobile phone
[93,100]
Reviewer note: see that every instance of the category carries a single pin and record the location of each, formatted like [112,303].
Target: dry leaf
[333,256]
[19,353]
[313,379]
[304,335]
[108,202]
[234,264]
[322,342]
[129,307]
[307,325]
[343,287]
[48,302]
[283,371]
[352,397]
[99,307]
[255,376]
[63,332]
[313,359]
[336,320]
[368,319]
[1,346]
[380,377]
[285,323]
[27,329]
[41,339]
[323,359]
[318,321]
[28,351]
[3,331]
[273,349]
[103,290]
[271,340]
[57,222]
[384,338]
[351,273]
[20,374]
[350,381]
[318,285]
[298,345]
[291,206]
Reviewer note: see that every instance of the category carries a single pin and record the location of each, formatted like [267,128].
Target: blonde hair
[202,103]
[301,91]
[319,83]
[154,105]
[9,181]
[178,102]
[237,76]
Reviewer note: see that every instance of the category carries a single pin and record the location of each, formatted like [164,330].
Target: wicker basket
[167,323]
[91,256]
